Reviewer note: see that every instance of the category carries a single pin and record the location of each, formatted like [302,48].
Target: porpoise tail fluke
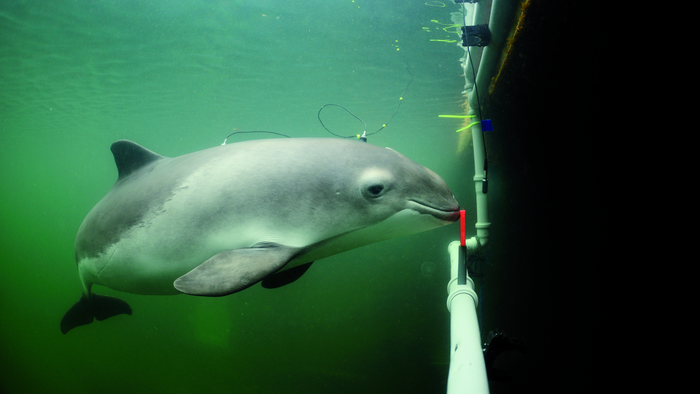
[93,307]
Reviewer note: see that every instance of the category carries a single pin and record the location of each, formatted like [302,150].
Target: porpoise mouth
[450,214]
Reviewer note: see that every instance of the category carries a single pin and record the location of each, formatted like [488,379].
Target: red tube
[462,227]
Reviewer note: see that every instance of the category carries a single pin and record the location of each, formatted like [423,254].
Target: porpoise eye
[375,183]
[375,190]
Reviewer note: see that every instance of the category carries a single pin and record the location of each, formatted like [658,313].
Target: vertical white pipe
[467,368]
[482,208]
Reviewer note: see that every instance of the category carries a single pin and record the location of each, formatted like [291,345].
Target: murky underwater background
[179,76]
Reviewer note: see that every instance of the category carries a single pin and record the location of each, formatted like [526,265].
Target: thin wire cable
[364,132]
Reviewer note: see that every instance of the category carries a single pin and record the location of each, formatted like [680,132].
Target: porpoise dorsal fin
[130,156]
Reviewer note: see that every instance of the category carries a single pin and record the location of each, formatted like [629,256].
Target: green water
[178,76]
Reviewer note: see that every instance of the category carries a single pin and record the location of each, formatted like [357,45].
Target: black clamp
[497,343]
[476,36]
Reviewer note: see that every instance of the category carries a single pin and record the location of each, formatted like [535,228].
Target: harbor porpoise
[216,221]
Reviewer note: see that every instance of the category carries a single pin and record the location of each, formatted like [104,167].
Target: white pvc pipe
[498,13]
[467,368]
[499,17]
[482,208]
[467,372]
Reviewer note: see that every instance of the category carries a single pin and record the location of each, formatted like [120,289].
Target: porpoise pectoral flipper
[285,277]
[234,270]
[93,307]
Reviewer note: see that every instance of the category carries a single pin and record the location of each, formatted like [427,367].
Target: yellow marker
[460,117]
[468,126]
